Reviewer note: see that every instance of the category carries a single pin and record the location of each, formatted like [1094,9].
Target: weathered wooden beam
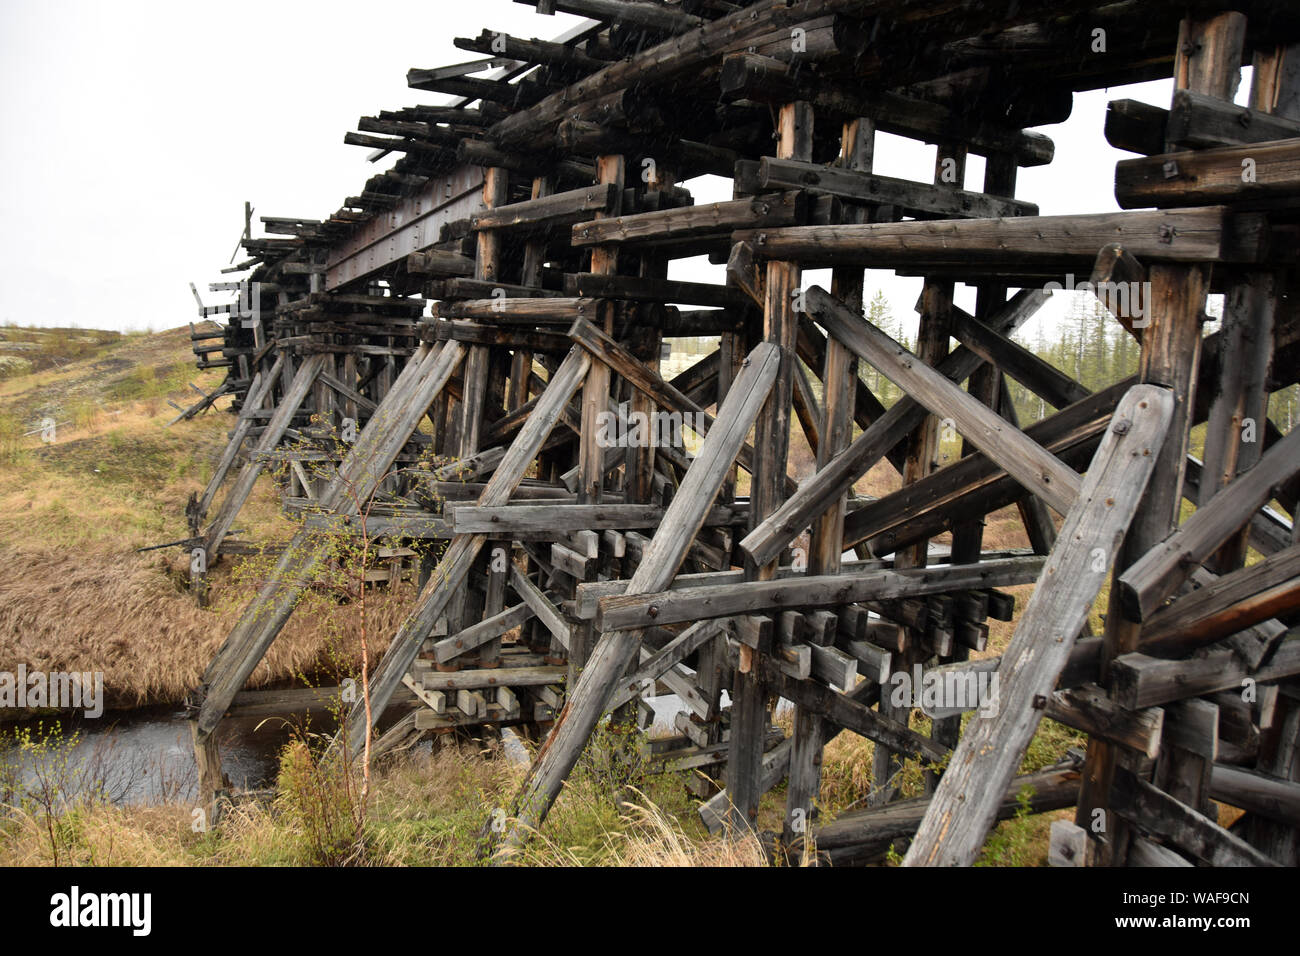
[547,212]
[720,218]
[1182,235]
[975,484]
[1156,812]
[518,519]
[670,655]
[1139,680]
[752,76]
[654,290]
[645,609]
[1026,461]
[1154,577]
[817,493]
[965,803]
[912,198]
[1229,174]
[1232,603]
[480,633]
[1256,792]
[1036,374]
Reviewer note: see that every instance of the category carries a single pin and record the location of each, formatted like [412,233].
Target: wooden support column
[1234,436]
[521,371]
[1207,61]
[987,385]
[461,612]
[767,490]
[826,544]
[595,391]
[922,449]
[595,401]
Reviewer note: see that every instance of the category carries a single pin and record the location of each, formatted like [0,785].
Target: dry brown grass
[126,617]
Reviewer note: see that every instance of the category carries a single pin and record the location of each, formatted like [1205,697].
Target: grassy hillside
[74,592]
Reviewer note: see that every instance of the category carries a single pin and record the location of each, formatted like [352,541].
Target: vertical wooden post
[826,544]
[1208,60]
[595,400]
[987,385]
[767,490]
[922,448]
[487,268]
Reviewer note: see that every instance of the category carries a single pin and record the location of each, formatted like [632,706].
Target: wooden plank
[668,656]
[912,198]
[1229,174]
[515,519]
[546,212]
[1140,680]
[1232,603]
[1039,376]
[719,218]
[646,609]
[1256,792]
[546,612]
[1182,235]
[480,633]
[965,803]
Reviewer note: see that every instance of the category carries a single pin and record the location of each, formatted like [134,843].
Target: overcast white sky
[134,132]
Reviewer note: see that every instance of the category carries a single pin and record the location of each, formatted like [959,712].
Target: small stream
[139,757]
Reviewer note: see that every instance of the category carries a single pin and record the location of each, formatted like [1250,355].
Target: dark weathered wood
[1155,576]
[1198,235]
[1141,803]
[806,591]
[1230,604]
[548,211]
[1229,174]
[964,805]
[1143,681]
[720,218]
[865,187]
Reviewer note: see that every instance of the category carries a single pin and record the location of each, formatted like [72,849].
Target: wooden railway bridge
[502,289]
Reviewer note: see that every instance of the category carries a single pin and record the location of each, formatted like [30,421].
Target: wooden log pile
[484,324]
